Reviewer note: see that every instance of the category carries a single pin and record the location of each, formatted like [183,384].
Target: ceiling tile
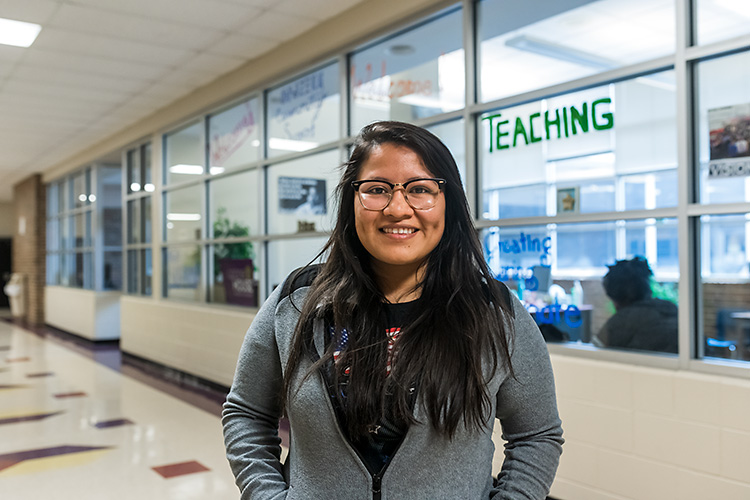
[35,11]
[97,45]
[11,54]
[92,64]
[77,79]
[244,46]
[132,27]
[313,9]
[89,94]
[210,14]
[212,63]
[277,26]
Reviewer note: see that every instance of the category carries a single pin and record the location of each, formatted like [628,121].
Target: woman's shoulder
[299,278]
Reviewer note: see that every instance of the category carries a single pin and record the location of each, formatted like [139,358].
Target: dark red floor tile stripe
[180,469]
[70,395]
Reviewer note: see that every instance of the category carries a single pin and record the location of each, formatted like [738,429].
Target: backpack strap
[299,278]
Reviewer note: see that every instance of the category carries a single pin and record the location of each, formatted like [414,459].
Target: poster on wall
[302,196]
[729,136]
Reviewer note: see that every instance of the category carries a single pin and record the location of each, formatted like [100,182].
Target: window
[725,285]
[721,19]
[140,189]
[412,75]
[234,137]
[558,270]
[723,134]
[304,113]
[185,154]
[609,148]
[523,47]
[84,229]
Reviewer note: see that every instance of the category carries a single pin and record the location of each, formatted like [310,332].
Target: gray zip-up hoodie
[426,466]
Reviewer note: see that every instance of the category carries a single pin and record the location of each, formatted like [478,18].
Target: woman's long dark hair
[459,327]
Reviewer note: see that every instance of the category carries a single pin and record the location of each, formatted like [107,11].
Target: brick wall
[29,202]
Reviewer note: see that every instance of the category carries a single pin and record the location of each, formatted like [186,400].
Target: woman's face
[398,238]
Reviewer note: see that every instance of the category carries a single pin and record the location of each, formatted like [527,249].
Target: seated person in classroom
[640,321]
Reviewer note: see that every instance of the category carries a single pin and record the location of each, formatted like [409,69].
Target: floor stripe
[11,459]
[17,360]
[180,469]
[40,375]
[113,423]
[28,418]
[70,395]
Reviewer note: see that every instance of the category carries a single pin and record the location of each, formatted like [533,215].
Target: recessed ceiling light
[18,33]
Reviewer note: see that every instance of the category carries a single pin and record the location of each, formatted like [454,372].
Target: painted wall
[643,433]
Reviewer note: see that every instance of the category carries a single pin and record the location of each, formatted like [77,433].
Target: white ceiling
[101,65]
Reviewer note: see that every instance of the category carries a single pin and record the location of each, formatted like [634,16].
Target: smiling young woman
[393,359]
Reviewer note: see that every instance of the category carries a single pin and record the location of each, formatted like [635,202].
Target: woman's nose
[398,207]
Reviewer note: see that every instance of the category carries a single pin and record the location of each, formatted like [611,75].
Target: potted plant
[234,262]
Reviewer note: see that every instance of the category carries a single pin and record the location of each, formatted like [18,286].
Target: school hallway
[76,422]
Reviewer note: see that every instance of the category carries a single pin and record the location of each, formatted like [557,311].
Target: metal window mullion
[470,96]
[688,293]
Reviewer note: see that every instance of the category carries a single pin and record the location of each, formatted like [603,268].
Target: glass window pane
[139,272]
[234,137]
[185,156]
[453,135]
[304,113]
[184,218]
[724,129]
[284,256]
[52,199]
[82,229]
[523,47]
[134,221]
[133,159]
[53,269]
[146,167]
[112,270]
[146,218]
[575,148]
[568,296]
[299,194]
[721,19]
[62,196]
[110,204]
[413,75]
[234,205]
[725,286]
[53,234]
[182,273]
[66,225]
[235,278]
[79,267]
[81,189]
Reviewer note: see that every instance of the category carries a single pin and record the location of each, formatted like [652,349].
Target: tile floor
[73,428]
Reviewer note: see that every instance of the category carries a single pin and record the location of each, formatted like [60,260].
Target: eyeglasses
[420,194]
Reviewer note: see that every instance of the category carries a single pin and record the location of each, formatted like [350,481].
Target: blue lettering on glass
[524,244]
[554,313]
[303,95]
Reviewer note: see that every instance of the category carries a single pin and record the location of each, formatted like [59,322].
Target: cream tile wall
[198,339]
[641,433]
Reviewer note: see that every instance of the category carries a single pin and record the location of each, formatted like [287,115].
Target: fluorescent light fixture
[149,188]
[186,169]
[135,186]
[18,33]
[560,52]
[216,170]
[184,217]
[290,145]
